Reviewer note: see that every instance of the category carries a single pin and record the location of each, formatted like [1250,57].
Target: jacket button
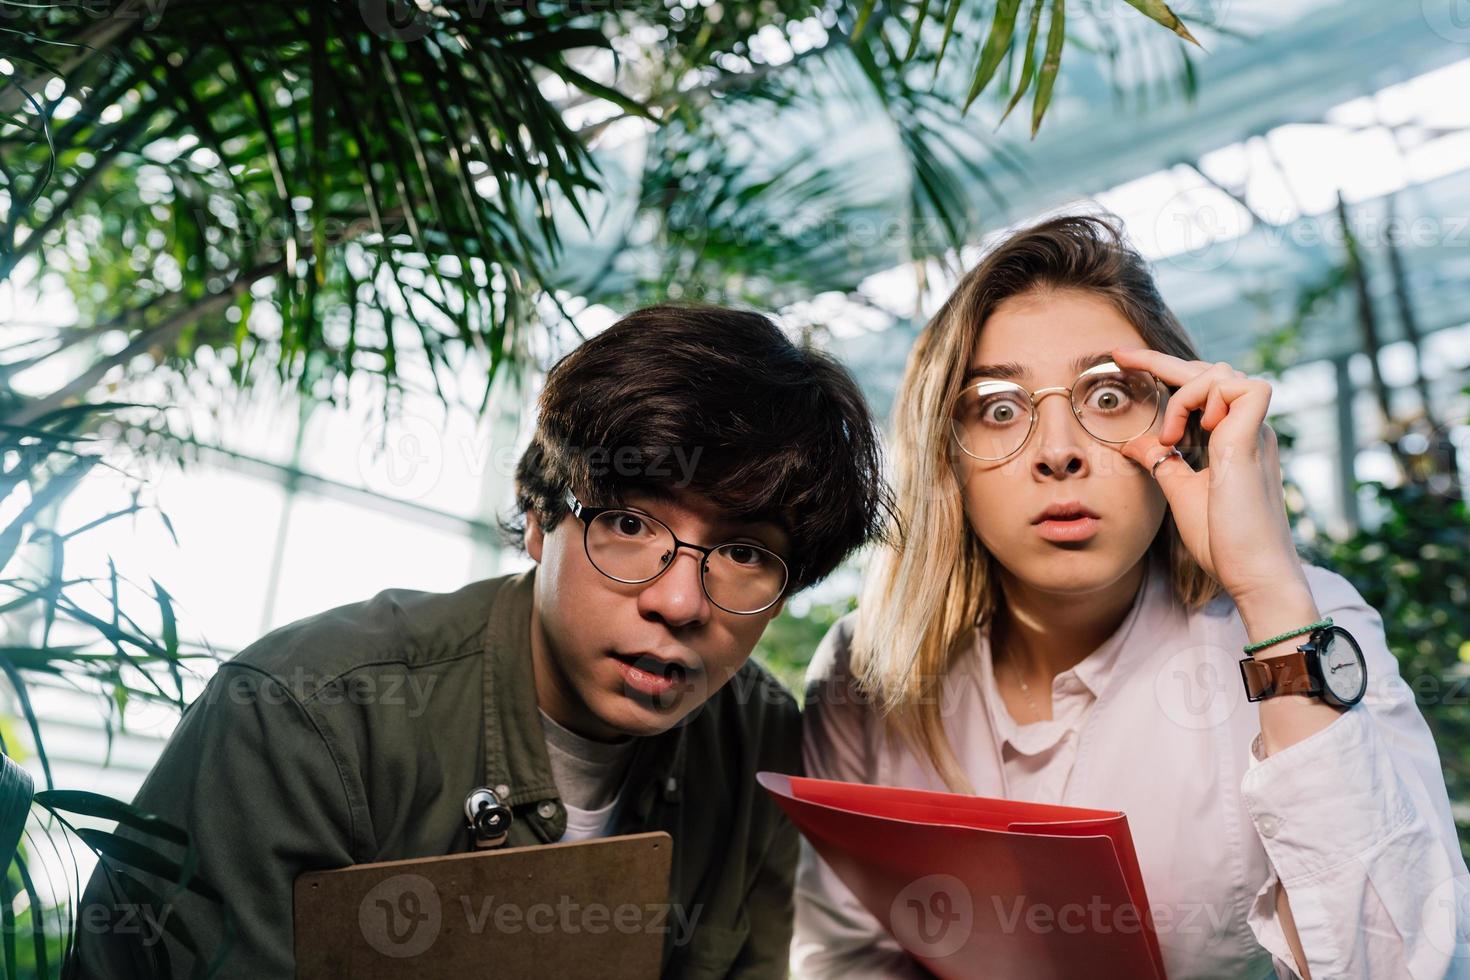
[502,791]
[546,809]
[1268,825]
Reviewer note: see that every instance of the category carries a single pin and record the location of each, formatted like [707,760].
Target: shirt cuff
[1330,798]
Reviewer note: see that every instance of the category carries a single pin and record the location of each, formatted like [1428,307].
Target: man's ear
[535,537]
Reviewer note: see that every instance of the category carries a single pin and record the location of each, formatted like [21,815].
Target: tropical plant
[391,189]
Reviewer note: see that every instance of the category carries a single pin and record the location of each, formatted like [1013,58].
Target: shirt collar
[1097,668]
[515,741]
[1094,672]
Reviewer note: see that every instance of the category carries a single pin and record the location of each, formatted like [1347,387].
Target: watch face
[1343,671]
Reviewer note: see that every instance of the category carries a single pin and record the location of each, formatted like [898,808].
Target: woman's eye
[1109,398]
[1000,411]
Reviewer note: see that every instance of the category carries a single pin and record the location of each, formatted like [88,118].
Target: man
[690,469]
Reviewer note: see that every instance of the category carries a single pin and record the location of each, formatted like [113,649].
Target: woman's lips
[1077,529]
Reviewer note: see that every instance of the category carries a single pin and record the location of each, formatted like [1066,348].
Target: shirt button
[1268,825]
[502,791]
[546,809]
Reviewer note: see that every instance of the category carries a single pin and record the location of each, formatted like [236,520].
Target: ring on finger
[1154,468]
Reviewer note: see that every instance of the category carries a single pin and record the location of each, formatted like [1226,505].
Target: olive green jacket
[354,735]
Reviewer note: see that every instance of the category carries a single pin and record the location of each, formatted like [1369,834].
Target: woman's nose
[1061,442]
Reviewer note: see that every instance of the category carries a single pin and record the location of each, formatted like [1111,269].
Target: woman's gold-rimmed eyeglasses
[992,419]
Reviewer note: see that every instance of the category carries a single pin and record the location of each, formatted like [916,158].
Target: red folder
[976,887]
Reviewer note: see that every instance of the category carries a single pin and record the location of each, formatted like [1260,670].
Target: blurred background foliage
[1415,570]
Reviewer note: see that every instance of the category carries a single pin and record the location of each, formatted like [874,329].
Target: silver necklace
[1025,688]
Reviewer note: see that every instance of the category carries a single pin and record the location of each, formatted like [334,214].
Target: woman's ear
[535,537]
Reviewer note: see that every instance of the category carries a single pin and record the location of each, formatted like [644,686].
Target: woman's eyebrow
[1010,370]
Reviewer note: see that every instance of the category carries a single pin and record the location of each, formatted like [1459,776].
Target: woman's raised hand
[1232,514]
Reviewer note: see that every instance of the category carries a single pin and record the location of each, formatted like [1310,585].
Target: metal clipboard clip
[488,820]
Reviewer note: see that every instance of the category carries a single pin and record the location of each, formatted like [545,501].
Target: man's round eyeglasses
[632,547]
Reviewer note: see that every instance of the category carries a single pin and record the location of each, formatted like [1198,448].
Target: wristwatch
[1329,665]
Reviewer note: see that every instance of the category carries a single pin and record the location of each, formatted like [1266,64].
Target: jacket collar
[515,742]
[515,747]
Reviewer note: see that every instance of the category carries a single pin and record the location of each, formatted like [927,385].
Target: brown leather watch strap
[1274,676]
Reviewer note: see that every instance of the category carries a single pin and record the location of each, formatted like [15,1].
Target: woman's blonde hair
[935,582]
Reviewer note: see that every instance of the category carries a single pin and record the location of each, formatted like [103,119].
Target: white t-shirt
[589,775]
[584,824]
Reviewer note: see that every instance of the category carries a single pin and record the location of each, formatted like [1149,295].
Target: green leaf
[144,858]
[917,32]
[864,12]
[1002,26]
[1056,37]
[951,14]
[170,623]
[16,790]
[1159,11]
[1028,65]
[106,808]
[38,916]
[22,694]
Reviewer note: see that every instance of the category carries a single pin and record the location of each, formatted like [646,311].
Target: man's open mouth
[666,670]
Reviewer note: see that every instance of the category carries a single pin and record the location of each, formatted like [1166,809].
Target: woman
[1062,620]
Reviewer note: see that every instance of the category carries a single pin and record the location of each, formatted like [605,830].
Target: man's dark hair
[719,403]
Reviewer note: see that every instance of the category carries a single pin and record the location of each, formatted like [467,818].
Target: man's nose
[677,596]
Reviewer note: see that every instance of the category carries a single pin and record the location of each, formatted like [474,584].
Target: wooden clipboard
[595,908]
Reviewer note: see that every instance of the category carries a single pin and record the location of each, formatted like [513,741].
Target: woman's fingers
[1215,409]
[1192,396]
[1167,368]
[1207,388]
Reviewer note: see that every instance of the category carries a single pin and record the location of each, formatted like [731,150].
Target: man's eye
[630,525]
[744,555]
[626,525]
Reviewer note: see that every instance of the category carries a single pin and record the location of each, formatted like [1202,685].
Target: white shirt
[1353,820]
[1037,757]
[586,824]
